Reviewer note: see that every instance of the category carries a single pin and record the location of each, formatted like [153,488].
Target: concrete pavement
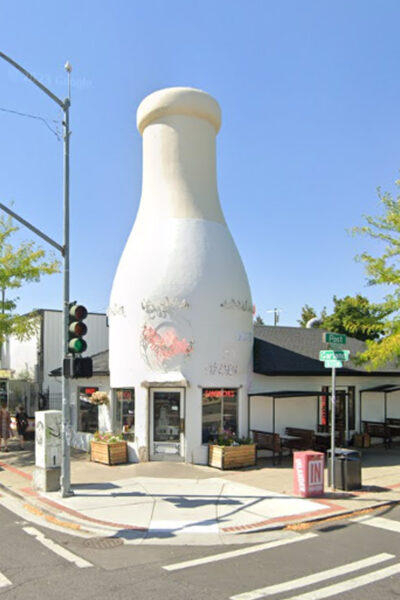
[164,502]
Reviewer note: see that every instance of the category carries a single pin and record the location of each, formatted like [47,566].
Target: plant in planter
[108,448]
[229,452]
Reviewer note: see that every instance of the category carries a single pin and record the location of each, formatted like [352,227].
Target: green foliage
[308,313]
[259,320]
[356,317]
[108,437]
[384,269]
[19,265]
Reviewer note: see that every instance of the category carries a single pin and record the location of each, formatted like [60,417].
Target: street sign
[334,355]
[334,338]
[333,364]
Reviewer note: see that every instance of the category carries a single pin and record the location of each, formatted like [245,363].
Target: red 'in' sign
[315,473]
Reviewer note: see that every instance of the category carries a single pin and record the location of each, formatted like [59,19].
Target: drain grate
[103,543]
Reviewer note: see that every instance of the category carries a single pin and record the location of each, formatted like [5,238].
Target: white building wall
[302,411]
[21,356]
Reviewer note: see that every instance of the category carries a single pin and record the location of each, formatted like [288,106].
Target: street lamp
[65,481]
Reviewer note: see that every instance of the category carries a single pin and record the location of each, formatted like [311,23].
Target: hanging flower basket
[99,398]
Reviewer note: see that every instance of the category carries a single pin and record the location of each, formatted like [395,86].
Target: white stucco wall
[302,411]
[180,307]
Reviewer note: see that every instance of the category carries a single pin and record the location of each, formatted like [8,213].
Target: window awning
[388,388]
[290,393]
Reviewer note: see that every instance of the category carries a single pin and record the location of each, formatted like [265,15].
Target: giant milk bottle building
[180,310]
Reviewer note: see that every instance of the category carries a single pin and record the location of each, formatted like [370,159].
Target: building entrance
[166,425]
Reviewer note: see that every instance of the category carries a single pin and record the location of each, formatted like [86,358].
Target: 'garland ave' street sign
[334,355]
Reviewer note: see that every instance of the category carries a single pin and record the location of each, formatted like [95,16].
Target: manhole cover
[103,543]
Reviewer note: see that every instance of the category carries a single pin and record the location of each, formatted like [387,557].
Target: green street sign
[334,355]
[333,364]
[334,338]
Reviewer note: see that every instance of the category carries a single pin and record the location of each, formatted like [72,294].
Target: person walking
[22,424]
[5,425]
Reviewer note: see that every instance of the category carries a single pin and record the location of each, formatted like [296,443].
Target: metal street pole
[65,480]
[333,427]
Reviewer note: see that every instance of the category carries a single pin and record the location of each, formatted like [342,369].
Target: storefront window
[340,411]
[88,413]
[125,410]
[219,412]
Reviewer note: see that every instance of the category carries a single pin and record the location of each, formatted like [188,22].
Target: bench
[394,427]
[305,438]
[266,440]
[378,430]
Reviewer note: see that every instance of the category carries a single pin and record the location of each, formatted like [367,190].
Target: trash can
[347,467]
[308,471]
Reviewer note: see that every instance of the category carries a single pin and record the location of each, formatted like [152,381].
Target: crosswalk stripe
[4,581]
[314,578]
[241,552]
[379,522]
[66,554]
[349,584]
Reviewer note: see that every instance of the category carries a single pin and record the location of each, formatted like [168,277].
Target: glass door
[166,425]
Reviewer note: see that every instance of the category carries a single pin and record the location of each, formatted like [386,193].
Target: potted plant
[108,448]
[230,452]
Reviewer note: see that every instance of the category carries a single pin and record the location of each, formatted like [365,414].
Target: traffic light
[78,367]
[76,328]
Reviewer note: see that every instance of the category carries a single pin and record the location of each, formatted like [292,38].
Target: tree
[384,270]
[308,313]
[356,317]
[19,265]
[259,320]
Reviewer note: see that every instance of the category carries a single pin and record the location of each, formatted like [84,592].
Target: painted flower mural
[162,344]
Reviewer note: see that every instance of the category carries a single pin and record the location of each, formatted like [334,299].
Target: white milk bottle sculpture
[180,312]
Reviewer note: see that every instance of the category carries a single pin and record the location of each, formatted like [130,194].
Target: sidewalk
[165,501]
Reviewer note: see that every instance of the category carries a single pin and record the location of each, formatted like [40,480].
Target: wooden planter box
[232,457]
[108,454]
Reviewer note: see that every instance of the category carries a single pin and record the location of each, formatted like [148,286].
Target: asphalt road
[340,559]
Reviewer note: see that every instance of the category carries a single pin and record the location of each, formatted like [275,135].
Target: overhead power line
[38,118]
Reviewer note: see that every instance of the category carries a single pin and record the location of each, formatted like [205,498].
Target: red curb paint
[75,513]
[15,470]
[279,520]
[29,491]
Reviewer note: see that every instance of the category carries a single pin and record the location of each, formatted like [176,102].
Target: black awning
[291,393]
[388,387]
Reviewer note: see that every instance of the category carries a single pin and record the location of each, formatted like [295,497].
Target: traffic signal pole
[65,481]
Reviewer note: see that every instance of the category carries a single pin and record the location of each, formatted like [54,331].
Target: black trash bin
[347,469]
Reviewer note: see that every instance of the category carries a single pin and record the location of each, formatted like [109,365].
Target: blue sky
[310,99]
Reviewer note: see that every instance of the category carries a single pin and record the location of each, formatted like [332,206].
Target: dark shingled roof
[295,351]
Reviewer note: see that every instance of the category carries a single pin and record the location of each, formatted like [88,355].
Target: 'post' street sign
[334,355]
[334,338]
[333,364]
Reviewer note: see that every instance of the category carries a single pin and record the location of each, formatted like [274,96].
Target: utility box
[308,471]
[47,450]
[347,469]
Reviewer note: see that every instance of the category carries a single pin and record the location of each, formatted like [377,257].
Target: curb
[310,522]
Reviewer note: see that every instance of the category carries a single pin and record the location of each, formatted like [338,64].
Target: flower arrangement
[107,437]
[227,437]
[99,398]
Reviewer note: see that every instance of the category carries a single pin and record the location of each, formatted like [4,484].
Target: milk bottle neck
[179,170]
